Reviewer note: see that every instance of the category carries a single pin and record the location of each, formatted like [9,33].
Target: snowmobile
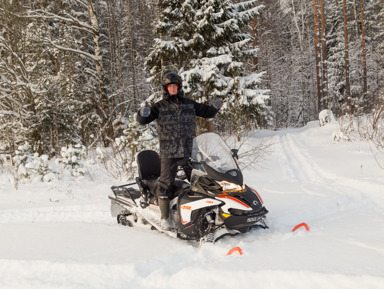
[214,203]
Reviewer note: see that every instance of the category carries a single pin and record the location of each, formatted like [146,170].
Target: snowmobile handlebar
[183,162]
[186,162]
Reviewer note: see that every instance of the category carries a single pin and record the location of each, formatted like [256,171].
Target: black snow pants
[167,176]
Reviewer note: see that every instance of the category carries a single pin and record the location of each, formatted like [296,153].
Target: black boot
[164,210]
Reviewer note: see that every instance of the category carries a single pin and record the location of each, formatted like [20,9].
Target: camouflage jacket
[176,119]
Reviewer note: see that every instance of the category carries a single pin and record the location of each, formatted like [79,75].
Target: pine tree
[324,56]
[208,43]
[336,61]
[288,56]
[317,53]
[274,45]
[364,59]
[347,94]
[135,37]
[375,50]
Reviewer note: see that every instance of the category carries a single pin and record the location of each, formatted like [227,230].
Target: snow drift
[61,234]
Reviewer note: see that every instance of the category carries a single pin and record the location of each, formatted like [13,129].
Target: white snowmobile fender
[186,209]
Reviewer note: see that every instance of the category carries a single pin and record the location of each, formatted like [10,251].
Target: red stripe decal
[258,196]
[240,202]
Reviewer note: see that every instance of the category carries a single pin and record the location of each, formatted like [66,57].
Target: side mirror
[234,153]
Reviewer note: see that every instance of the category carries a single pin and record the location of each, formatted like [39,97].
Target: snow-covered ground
[61,235]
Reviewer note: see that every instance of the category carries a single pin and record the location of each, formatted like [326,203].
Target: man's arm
[204,110]
[152,116]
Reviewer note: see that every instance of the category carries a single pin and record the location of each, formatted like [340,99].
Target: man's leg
[167,177]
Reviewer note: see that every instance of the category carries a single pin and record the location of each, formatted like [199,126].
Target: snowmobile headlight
[231,187]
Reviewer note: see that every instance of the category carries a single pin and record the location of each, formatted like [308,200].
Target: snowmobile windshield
[209,148]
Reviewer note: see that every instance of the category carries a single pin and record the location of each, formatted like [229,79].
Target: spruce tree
[375,49]
[208,43]
[336,62]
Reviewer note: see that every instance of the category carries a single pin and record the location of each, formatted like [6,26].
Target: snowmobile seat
[148,162]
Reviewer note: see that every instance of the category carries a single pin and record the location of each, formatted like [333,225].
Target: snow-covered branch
[76,51]
[42,14]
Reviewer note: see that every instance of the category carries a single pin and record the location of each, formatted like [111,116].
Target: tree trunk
[365,86]
[132,53]
[324,57]
[317,52]
[112,47]
[254,44]
[356,23]
[160,37]
[297,26]
[347,94]
[102,106]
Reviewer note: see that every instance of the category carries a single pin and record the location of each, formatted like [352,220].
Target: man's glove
[145,111]
[216,103]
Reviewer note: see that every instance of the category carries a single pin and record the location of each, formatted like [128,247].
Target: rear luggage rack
[125,191]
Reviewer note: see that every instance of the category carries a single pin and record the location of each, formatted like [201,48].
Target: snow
[326,116]
[61,235]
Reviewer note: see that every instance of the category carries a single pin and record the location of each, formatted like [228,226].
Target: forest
[75,72]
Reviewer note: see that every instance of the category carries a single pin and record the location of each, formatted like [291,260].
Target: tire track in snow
[78,213]
[364,246]
[331,198]
[298,164]
[347,192]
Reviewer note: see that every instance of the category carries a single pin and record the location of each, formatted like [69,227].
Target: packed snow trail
[61,235]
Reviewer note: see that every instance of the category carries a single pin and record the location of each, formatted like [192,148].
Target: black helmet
[170,78]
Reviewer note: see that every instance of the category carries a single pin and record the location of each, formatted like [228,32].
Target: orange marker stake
[236,249]
[301,225]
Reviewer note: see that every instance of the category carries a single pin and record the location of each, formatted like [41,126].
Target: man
[176,119]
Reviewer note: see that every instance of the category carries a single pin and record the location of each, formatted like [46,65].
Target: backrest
[148,164]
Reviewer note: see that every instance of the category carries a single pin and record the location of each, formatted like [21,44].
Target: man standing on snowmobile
[176,119]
